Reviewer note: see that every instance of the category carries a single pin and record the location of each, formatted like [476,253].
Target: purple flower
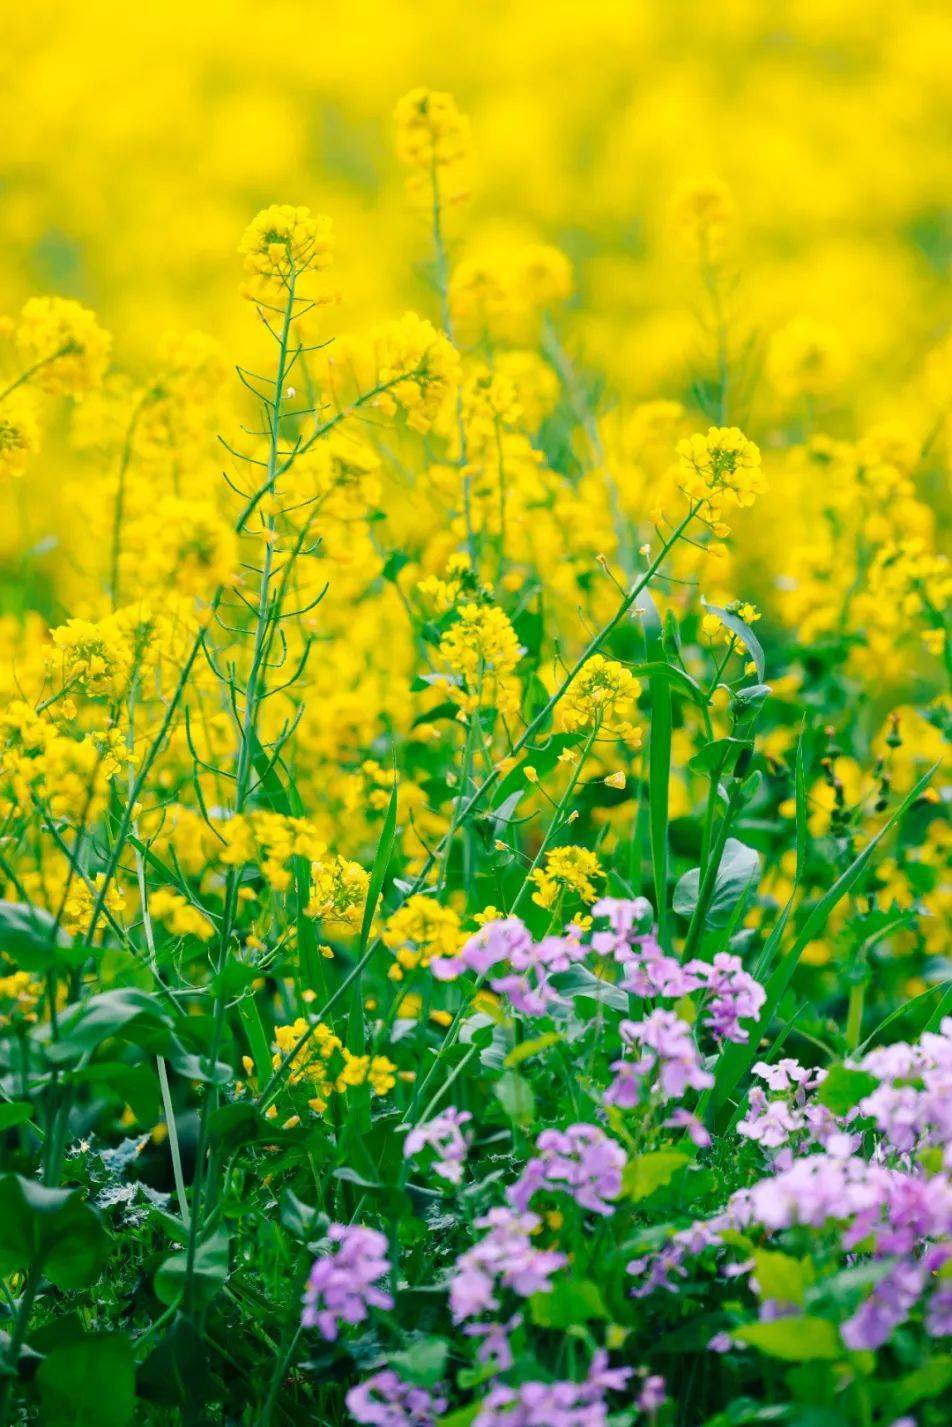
[385,1400]
[653,1394]
[527,983]
[496,941]
[341,1285]
[504,1258]
[442,1134]
[582,1161]
[674,1053]
[682,1119]
[888,1305]
[734,996]
[555,1404]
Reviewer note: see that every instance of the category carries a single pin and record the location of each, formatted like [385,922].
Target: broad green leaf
[744,633]
[85,1026]
[88,1383]
[14,1112]
[570,1301]
[423,1363]
[30,936]
[209,1276]
[793,1339]
[782,1277]
[525,1050]
[648,1172]
[844,1088]
[738,870]
[516,1097]
[53,1228]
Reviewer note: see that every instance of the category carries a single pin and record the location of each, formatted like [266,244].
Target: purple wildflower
[734,996]
[582,1160]
[505,1258]
[341,1285]
[674,1053]
[385,1400]
[443,1134]
[555,1404]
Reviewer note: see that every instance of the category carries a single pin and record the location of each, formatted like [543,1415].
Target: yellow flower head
[65,343]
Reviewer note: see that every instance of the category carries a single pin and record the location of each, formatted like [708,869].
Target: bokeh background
[138,140]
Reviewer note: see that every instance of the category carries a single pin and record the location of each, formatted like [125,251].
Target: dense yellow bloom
[420,930]
[602,695]
[721,469]
[431,133]
[481,650]
[280,245]
[323,1065]
[181,917]
[702,212]
[567,869]
[309,1065]
[804,359]
[82,899]
[502,294]
[188,544]
[19,997]
[19,433]
[338,890]
[65,343]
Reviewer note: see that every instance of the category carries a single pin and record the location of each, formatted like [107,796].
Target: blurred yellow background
[139,139]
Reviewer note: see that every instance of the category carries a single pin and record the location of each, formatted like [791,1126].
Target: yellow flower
[19,433]
[420,930]
[567,869]
[602,695]
[281,243]
[65,343]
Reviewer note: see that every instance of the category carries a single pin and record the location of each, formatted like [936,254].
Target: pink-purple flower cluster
[445,1137]
[731,994]
[385,1400]
[527,984]
[581,1161]
[504,1258]
[670,1059]
[557,1404]
[342,1285]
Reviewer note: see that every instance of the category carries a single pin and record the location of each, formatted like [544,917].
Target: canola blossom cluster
[474,769]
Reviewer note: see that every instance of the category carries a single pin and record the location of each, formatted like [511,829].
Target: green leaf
[579,981]
[257,1038]
[423,1363]
[526,1049]
[793,1339]
[14,1112]
[51,1228]
[515,1095]
[738,870]
[928,1380]
[88,1383]
[737,1059]
[648,1172]
[30,936]
[570,1301]
[659,778]
[85,1026]
[209,1276]
[743,632]
[781,1277]
[844,1088]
